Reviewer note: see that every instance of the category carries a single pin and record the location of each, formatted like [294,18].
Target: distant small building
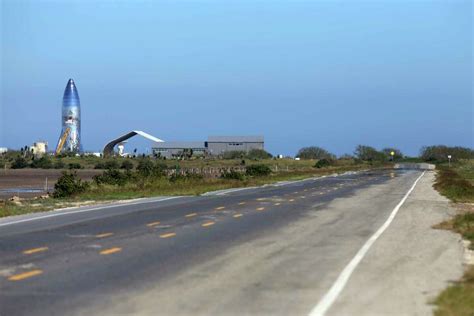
[214,146]
[217,145]
[178,149]
[39,148]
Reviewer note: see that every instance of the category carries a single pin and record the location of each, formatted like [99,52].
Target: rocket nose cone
[71,91]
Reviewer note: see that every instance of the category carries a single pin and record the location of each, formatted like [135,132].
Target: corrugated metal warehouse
[214,146]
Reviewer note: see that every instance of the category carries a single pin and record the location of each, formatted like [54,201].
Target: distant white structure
[109,148]
[3,150]
[39,148]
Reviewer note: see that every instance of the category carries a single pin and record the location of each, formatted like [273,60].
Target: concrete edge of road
[326,302]
[16,219]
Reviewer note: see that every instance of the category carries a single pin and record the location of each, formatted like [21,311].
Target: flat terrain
[21,181]
[273,250]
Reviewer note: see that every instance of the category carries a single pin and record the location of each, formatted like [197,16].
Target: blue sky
[328,73]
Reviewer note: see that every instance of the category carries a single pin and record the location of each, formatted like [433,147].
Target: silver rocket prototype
[70,138]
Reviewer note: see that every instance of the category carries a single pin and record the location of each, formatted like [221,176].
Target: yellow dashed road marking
[276,204]
[220,208]
[242,203]
[35,250]
[208,224]
[110,251]
[167,235]
[104,235]
[237,215]
[191,215]
[291,200]
[261,199]
[25,275]
[260,209]
[153,224]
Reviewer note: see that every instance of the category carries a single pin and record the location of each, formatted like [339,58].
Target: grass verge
[456,183]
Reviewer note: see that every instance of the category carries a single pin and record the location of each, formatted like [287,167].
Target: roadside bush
[258,154]
[145,167]
[314,152]
[2,164]
[59,164]
[127,165]
[42,163]
[159,169]
[233,175]
[19,163]
[111,164]
[100,165]
[368,153]
[112,177]
[322,163]
[440,153]
[69,184]
[258,170]
[74,165]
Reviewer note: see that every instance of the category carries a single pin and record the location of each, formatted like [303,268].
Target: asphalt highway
[270,250]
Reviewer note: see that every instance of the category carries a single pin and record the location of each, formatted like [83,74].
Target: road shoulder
[410,263]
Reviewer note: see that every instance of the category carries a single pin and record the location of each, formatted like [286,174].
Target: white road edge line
[86,210]
[330,297]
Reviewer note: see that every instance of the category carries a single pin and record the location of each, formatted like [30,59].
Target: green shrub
[59,164]
[145,167]
[74,165]
[314,152]
[111,164]
[440,153]
[113,177]
[368,153]
[258,154]
[127,165]
[100,165]
[258,170]
[233,175]
[42,163]
[69,184]
[322,163]
[19,163]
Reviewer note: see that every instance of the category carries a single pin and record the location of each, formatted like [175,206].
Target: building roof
[236,139]
[178,145]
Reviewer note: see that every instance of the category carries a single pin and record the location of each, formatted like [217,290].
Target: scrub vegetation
[457,183]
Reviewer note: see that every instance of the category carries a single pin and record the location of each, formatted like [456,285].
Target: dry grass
[456,184]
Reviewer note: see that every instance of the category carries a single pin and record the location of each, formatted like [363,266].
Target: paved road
[271,250]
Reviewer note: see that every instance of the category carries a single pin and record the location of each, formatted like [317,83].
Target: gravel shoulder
[410,264]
